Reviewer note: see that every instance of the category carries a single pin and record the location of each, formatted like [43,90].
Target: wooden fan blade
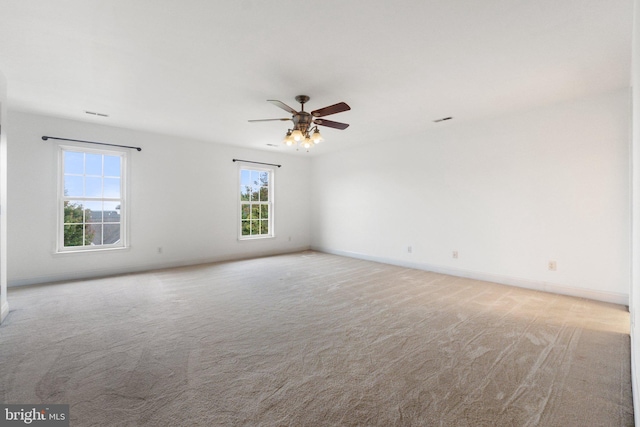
[331,124]
[332,109]
[270,120]
[282,105]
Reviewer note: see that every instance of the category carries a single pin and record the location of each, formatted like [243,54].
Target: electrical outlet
[409,249]
[553,266]
[455,254]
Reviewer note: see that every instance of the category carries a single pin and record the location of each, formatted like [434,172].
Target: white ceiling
[202,68]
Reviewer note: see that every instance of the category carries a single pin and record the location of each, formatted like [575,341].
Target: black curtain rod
[257,163]
[44,138]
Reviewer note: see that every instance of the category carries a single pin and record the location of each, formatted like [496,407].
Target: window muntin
[92,200]
[256,202]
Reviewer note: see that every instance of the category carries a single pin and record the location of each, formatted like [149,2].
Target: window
[256,202]
[91,201]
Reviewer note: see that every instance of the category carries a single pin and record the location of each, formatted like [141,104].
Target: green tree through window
[256,218]
[75,234]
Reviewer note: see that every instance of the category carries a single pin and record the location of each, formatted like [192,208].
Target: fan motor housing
[302,120]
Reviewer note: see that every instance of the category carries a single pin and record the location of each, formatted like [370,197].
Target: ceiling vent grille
[442,119]
[93,113]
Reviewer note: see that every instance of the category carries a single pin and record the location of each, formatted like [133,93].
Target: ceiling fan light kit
[305,131]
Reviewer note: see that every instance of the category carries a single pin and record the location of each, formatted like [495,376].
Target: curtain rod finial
[44,138]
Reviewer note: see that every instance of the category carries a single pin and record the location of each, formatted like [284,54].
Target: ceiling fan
[304,132]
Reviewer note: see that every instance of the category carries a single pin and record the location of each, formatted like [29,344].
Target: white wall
[4,305]
[509,194]
[634,303]
[183,199]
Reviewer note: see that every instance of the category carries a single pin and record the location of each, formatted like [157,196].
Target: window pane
[73,162]
[111,212]
[255,194]
[264,194]
[73,185]
[246,228]
[245,193]
[73,212]
[255,178]
[246,210]
[255,226]
[245,178]
[112,187]
[93,234]
[93,164]
[93,211]
[111,234]
[264,211]
[255,211]
[265,227]
[93,187]
[73,235]
[112,166]
[264,178]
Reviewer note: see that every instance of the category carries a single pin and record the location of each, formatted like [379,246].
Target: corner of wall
[4,304]
[634,300]
[610,297]
[4,311]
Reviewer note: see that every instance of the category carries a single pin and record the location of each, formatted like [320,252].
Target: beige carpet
[311,339]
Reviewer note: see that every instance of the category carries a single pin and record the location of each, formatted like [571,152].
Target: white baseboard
[612,297]
[4,311]
[130,269]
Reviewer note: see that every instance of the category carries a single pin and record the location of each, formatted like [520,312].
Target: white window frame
[123,243]
[270,203]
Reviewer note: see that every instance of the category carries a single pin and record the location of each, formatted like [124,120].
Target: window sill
[249,238]
[91,251]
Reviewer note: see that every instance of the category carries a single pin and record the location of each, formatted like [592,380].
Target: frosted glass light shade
[289,139]
[297,135]
[316,137]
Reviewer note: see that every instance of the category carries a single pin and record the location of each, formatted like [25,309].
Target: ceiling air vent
[93,113]
[442,119]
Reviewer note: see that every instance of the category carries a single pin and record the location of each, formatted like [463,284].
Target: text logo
[34,415]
